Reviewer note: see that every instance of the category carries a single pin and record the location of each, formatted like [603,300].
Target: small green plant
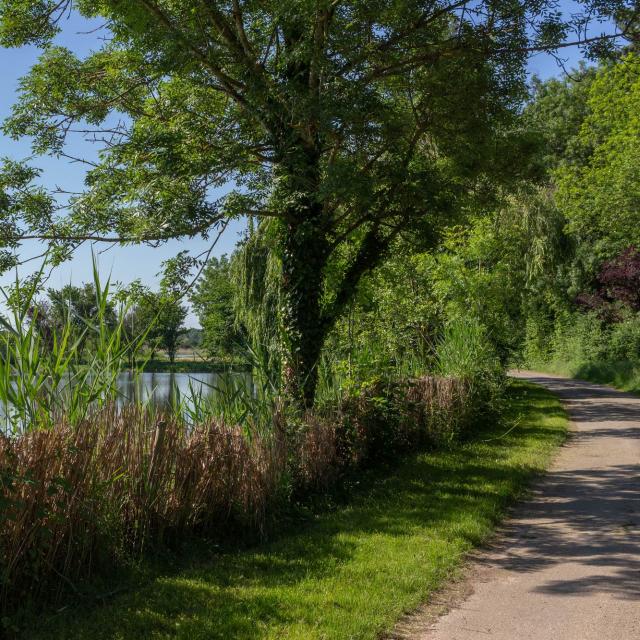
[465,353]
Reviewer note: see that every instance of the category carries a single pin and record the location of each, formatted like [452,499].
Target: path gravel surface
[568,564]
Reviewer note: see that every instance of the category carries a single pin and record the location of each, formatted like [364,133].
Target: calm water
[163,389]
[166,391]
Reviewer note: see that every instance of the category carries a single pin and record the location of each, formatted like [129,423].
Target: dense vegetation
[336,123]
[88,483]
[408,238]
[553,273]
[387,545]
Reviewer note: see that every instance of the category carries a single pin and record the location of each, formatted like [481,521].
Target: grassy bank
[623,374]
[346,574]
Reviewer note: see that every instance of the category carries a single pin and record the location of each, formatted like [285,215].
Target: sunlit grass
[350,573]
[623,374]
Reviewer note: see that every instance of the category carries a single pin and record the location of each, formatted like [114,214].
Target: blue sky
[129,263]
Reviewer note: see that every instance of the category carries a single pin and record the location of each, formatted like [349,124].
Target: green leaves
[213,302]
[30,21]
[600,193]
[21,202]
[352,123]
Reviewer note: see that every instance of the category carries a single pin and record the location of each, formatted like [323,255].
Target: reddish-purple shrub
[618,285]
[620,278]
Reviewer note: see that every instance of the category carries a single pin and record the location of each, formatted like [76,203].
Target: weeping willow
[544,229]
[256,271]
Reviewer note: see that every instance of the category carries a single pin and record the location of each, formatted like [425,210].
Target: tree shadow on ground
[587,517]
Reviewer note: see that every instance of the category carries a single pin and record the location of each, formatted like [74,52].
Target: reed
[87,482]
[50,373]
[78,496]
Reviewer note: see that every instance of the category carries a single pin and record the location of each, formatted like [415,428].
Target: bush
[466,353]
[537,348]
[579,338]
[624,340]
[582,341]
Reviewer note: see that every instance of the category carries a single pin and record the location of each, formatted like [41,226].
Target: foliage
[117,481]
[465,352]
[618,284]
[556,112]
[337,122]
[88,482]
[191,338]
[213,302]
[349,572]
[184,365]
[160,315]
[164,317]
[599,195]
[593,181]
[47,376]
[77,306]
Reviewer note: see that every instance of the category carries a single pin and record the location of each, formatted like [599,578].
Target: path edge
[458,587]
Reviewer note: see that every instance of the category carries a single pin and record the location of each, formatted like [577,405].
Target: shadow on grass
[350,573]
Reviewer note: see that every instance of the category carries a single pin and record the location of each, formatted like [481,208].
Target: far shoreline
[188,366]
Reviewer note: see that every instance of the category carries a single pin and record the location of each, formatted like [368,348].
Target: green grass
[350,573]
[623,374]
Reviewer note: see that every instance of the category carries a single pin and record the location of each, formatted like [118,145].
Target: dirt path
[568,564]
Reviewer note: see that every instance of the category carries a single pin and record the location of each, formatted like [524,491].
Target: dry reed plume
[75,497]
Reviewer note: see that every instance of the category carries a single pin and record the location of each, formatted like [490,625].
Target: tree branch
[371,252]
[229,84]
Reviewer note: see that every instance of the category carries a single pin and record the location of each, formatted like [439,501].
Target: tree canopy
[349,123]
[601,193]
[213,301]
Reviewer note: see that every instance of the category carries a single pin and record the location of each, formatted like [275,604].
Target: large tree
[348,122]
[599,192]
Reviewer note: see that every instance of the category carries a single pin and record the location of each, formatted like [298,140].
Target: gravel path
[568,564]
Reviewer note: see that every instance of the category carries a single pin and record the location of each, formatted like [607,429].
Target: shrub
[624,340]
[579,338]
[466,353]
[537,348]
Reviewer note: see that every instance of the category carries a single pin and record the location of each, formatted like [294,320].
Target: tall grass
[87,482]
[78,497]
[47,373]
[464,350]
[466,353]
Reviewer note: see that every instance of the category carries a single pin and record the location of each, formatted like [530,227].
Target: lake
[162,389]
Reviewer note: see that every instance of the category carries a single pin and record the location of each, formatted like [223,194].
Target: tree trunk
[303,265]
[304,257]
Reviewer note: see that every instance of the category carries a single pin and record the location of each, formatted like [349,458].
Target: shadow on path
[567,564]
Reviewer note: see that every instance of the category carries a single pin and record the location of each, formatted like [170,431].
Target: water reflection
[166,390]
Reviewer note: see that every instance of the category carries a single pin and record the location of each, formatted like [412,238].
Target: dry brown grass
[74,497]
[439,407]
